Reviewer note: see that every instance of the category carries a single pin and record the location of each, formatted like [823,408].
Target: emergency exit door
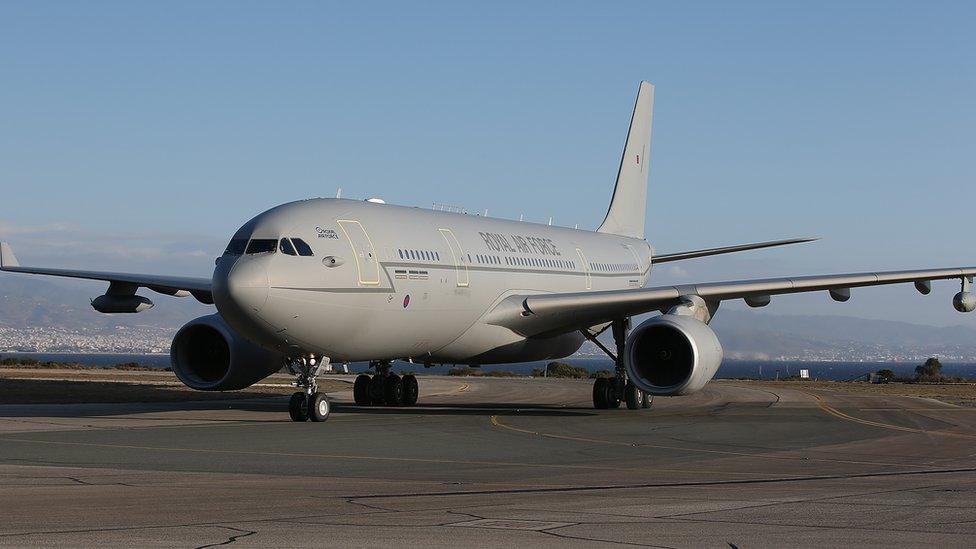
[460,266]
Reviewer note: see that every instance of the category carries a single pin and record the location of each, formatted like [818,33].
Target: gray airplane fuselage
[390,282]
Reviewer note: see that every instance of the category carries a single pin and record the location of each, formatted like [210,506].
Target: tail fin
[629,203]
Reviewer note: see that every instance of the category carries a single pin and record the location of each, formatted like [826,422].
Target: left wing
[125,283]
[546,314]
[681,256]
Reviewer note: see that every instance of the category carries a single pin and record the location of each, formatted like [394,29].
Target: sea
[730,369]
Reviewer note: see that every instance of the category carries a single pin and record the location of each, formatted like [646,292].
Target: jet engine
[672,354]
[207,355]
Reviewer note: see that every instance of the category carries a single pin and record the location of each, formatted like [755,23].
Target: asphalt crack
[231,539]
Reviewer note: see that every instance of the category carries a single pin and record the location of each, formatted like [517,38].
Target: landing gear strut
[308,403]
[608,392]
[385,387]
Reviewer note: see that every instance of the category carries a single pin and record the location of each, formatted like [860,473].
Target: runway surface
[505,462]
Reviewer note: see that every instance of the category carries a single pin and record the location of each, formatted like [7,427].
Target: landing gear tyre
[298,407]
[634,396]
[319,407]
[376,390]
[612,400]
[411,390]
[393,390]
[648,399]
[601,392]
[360,390]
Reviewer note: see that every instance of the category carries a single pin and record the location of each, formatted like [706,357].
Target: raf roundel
[406,301]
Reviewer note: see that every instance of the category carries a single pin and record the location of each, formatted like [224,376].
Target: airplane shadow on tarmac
[68,399]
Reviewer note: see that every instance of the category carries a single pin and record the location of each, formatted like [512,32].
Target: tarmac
[495,462]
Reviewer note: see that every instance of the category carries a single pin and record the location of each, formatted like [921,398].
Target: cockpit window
[262,245]
[236,246]
[303,248]
[286,247]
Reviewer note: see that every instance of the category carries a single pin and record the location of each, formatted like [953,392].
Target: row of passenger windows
[613,267]
[484,259]
[422,255]
[288,246]
[540,262]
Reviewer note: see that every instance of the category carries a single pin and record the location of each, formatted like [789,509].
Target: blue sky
[140,135]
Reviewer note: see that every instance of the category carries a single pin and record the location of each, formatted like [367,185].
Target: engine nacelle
[964,302]
[207,355]
[672,355]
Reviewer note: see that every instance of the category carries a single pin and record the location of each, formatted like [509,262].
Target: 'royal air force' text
[519,244]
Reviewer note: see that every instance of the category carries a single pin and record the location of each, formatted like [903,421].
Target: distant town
[153,339]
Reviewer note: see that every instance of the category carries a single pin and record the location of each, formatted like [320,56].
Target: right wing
[546,314]
[200,288]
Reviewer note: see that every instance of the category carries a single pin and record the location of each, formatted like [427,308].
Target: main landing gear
[608,392]
[308,404]
[385,388]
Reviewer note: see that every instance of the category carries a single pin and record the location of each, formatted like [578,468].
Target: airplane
[315,281]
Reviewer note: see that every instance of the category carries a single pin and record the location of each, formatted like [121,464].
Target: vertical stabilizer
[629,203]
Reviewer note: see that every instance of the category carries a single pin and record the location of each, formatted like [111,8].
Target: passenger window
[262,245]
[401,253]
[302,247]
[285,246]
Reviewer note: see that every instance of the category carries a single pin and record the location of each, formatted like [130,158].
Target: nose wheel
[308,404]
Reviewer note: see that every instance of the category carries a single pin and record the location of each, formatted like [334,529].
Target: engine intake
[207,355]
[672,355]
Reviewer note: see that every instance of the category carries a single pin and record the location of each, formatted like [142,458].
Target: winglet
[7,257]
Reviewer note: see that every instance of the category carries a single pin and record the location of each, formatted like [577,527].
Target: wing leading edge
[200,288]
[544,314]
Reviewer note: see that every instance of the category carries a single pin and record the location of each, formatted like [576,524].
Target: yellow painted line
[841,415]
[497,423]
[958,409]
[464,387]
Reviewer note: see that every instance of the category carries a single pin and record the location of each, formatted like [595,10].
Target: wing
[546,314]
[664,258]
[169,285]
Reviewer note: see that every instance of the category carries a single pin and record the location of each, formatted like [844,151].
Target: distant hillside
[754,334]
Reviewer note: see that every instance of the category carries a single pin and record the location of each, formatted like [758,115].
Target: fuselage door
[457,254]
[362,250]
[586,269]
[637,258]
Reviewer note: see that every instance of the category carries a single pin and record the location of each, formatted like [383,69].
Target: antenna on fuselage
[550,221]
[521,216]
[339,192]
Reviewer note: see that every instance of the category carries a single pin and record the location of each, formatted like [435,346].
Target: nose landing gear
[385,388]
[309,403]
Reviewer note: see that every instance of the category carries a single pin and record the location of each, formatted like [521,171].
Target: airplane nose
[244,286]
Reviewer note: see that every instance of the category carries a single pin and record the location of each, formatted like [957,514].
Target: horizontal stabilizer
[664,258]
